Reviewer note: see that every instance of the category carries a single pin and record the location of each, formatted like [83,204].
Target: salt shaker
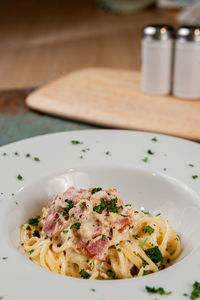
[157,53]
[187,63]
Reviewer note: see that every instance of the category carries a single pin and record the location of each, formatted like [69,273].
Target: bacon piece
[124,222]
[53,223]
[77,211]
[70,194]
[98,248]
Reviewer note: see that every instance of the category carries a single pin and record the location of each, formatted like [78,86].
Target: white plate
[171,191]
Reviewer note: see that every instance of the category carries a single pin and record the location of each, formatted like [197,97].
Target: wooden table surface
[17,122]
[42,40]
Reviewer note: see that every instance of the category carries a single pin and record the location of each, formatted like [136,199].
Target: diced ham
[53,223]
[98,248]
[77,211]
[124,222]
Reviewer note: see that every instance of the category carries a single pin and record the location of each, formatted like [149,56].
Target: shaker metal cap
[158,32]
[188,33]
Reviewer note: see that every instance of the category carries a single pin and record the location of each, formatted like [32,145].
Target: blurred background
[43,40]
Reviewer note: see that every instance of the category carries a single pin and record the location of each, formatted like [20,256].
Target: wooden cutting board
[113,98]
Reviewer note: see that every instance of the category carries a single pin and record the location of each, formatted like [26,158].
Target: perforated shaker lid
[188,33]
[161,32]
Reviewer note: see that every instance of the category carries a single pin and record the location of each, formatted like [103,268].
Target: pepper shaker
[187,63]
[157,53]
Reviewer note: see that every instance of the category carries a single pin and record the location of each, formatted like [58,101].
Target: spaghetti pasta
[92,234]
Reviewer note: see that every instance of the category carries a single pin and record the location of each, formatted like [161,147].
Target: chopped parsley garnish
[196,290]
[144,264]
[99,208]
[119,249]
[36,233]
[74,142]
[33,221]
[36,159]
[4,154]
[128,204]
[76,225]
[69,238]
[145,272]
[103,237]
[84,274]
[19,177]
[93,290]
[191,165]
[92,264]
[154,254]
[28,228]
[135,237]
[111,277]
[107,152]
[71,216]
[81,156]
[95,190]
[28,155]
[112,207]
[157,215]
[68,207]
[145,212]
[16,203]
[195,176]
[16,153]
[154,139]
[159,290]
[145,159]
[148,229]
[150,152]
[125,216]
[65,231]
[4,257]
[99,276]
[31,251]
[82,204]
[142,244]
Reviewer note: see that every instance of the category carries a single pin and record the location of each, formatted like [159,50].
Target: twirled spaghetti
[92,234]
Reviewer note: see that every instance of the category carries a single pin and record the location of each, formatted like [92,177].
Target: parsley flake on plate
[19,177]
[28,155]
[75,142]
[196,290]
[16,153]
[150,152]
[195,176]
[154,139]
[145,159]
[191,165]
[36,159]
[160,290]
[107,152]
[31,251]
